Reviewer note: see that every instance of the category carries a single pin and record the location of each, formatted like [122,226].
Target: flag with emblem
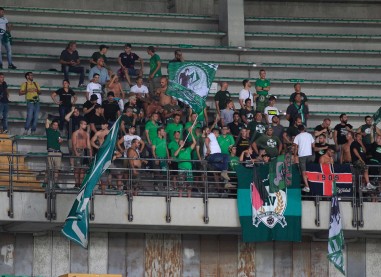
[190,82]
[321,178]
[269,210]
[336,236]
[76,226]
[377,117]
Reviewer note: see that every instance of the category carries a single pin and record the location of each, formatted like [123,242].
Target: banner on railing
[322,176]
[269,210]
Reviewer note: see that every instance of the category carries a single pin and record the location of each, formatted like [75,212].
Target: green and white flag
[190,82]
[76,226]
[336,237]
[377,117]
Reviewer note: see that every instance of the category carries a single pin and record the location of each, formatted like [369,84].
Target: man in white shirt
[271,110]
[303,145]
[214,156]
[5,39]
[245,93]
[94,87]
[126,140]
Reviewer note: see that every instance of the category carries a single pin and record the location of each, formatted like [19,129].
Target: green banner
[377,117]
[276,216]
[76,226]
[190,82]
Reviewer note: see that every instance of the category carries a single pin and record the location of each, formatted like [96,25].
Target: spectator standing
[126,141]
[271,110]
[222,97]
[327,157]
[111,109]
[89,107]
[320,147]
[94,87]
[151,128]
[297,109]
[246,93]
[54,142]
[278,129]
[175,126]
[32,91]
[5,39]
[262,87]
[101,70]
[140,91]
[116,87]
[298,91]
[256,127]
[225,140]
[247,113]
[292,132]
[345,153]
[97,120]
[179,58]
[324,129]
[67,99]
[155,69]
[70,62]
[227,114]
[358,156]
[243,141]
[99,54]
[366,131]
[160,151]
[340,132]
[235,126]
[99,136]
[303,145]
[4,100]
[127,60]
[268,142]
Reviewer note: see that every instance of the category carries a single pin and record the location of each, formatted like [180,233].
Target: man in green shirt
[100,54]
[225,141]
[151,128]
[54,141]
[154,69]
[262,87]
[271,144]
[175,126]
[189,124]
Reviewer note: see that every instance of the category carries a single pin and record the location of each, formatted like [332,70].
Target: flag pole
[194,123]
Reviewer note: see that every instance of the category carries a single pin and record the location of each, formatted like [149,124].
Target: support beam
[232,21]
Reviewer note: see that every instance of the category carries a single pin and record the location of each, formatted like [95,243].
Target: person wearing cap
[155,69]
[96,120]
[94,87]
[111,109]
[89,107]
[101,70]
[99,54]
[270,143]
[271,110]
[127,60]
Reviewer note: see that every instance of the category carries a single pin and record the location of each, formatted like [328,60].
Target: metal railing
[33,173]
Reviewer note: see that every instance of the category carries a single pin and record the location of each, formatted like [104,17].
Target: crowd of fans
[155,125]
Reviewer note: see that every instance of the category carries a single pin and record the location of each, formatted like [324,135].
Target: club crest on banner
[271,211]
[194,78]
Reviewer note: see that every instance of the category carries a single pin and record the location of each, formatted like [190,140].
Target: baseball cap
[93,97]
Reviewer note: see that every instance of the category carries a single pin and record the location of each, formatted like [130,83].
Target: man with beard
[278,129]
[235,126]
[340,132]
[320,147]
[366,130]
[256,127]
[323,129]
[268,142]
[243,141]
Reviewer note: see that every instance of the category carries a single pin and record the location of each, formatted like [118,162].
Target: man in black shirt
[96,120]
[70,61]
[247,113]
[323,129]
[358,155]
[4,103]
[89,107]
[222,97]
[243,141]
[291,133]
[235,126]
[320,147]
[111,109]
[340,133]
[127,61]
[297,109]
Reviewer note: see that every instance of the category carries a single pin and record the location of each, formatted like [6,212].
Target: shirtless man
[115,86]
[327,158]
[135,163]
[164,98]
[345,156]
[99,137]
[81,147]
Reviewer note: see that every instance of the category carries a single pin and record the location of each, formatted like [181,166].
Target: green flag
[336,236]
[277,216]
[377,117]
[76,226]
[190,82]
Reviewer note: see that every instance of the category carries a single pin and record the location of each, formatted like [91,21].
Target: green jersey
[187,126]
[233,163]
[225,143]
[161,147]
[172,128]
[152,127]
[366,129]
[256,130]
[53,137]
[153,65]
[262,100]
[185,154]
[269,144]
[172,147]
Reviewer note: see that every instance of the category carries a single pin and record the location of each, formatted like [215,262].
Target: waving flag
[76,226]
[190,82]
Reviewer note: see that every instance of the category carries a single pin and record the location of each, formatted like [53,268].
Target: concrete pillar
[232,21]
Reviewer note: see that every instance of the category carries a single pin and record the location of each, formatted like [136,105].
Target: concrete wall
[50,255]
